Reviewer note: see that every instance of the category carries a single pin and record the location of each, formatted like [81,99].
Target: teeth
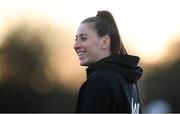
[80,53]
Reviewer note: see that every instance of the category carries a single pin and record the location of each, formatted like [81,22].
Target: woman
[112,74]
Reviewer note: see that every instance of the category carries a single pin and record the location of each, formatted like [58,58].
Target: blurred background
[40,72]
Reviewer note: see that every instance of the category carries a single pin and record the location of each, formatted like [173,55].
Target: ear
[105,42]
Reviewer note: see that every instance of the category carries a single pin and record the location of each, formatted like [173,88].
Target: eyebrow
[80,35]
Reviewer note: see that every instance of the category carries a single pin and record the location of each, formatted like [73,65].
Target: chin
[84,63]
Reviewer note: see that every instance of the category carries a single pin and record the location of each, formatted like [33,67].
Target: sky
[146,26]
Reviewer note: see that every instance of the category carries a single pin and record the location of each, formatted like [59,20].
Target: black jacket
[109,84]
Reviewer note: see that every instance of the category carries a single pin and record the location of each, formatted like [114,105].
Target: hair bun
[105,15]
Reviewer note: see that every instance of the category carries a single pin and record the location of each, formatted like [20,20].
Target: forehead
[86,28]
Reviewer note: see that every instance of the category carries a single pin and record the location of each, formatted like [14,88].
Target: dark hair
[106,25]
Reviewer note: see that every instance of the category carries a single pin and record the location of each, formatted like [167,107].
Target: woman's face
[87,44]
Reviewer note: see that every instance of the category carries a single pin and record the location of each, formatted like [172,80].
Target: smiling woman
[112,74]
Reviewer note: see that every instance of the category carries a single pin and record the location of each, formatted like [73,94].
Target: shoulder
[104,75]
[104,78]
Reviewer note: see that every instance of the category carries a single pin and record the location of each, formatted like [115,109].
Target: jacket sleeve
[100,94]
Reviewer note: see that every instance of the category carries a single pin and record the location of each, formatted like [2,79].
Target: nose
[77,45]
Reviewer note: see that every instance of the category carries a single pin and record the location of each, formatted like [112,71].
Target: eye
[83,38]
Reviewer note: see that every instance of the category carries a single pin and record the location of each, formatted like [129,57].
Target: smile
[81,53]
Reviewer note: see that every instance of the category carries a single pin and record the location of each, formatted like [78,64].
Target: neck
[103,55]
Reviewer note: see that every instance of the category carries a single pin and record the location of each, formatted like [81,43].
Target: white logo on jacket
[134,107]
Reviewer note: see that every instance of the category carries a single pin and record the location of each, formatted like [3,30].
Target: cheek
[93,49]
